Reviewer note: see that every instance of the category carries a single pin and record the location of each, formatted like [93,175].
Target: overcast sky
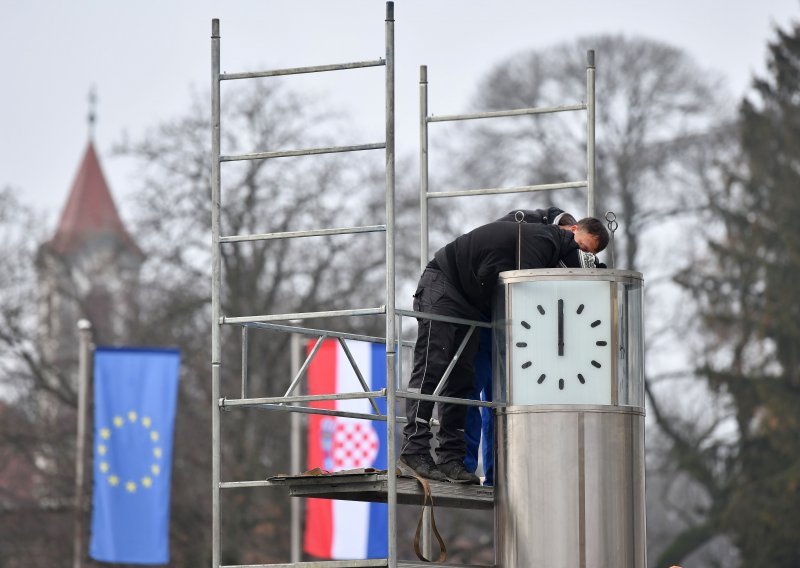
[146,57]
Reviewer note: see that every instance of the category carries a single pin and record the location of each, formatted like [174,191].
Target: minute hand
[561,327]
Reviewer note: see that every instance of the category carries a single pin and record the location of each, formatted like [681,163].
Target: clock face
[560,342]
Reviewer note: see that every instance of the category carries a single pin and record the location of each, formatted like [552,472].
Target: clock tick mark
[525,324]
[595,323]
[601,343]
[526,364]
[540,308]
[541,379]
[580,309]
[581,379]
[596,364]
[561,384]
[522,344]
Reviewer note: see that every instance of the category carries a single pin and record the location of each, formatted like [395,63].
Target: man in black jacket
[478,422]
[460,282]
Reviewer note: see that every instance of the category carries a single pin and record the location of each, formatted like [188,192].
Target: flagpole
[84,357]
[296,503]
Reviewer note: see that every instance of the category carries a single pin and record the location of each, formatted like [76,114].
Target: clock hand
[561,327]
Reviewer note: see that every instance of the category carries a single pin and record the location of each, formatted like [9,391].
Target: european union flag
[135,391]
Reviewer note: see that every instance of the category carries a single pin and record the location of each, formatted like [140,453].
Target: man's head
[590,234]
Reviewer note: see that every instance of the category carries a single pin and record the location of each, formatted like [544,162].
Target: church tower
[88,269]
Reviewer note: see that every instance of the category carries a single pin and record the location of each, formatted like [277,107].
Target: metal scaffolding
[266,321]
[424,120]
[386,486]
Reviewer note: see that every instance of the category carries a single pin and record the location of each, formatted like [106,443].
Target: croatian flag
[346,529]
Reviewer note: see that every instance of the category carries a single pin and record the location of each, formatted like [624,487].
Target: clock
[560,345]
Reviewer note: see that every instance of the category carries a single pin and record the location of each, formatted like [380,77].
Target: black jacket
[473,261]
[540,216]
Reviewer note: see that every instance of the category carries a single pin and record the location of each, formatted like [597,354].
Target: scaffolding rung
[448,319]
[301,398]
[303,315]
[499,190]
[418,564]
[298,234]
[301,70]
[445,399]
[245,484]
[327,412]
[323,333]
[302,152]
[318,332]
[502,113]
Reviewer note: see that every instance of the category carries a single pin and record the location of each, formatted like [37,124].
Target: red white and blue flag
[346,529]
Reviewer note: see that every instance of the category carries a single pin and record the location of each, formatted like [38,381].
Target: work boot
[455,471]
[421,464]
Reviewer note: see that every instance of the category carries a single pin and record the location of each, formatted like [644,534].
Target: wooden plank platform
[373,487]
[377,563]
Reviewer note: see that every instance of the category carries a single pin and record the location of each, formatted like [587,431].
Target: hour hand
[561,327]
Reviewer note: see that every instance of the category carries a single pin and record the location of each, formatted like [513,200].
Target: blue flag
[135,391]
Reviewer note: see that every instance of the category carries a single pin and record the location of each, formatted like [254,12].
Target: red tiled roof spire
[90,211]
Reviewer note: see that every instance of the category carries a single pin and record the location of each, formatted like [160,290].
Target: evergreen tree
[750,314]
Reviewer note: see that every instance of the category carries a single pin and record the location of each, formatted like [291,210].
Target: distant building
[89,269]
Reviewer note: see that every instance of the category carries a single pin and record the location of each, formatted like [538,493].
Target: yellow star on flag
[146,421]
[147,482]
[157,452]
[118,421]
[113,480]
[154,436]
[130,487]
[104,467]
[105,433]
[132,416]
[101,449]
[155,469]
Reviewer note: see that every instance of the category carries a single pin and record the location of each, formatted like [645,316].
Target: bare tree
[655,108]
[36,462]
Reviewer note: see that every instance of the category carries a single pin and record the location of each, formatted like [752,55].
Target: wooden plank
[373,487]
[376,563]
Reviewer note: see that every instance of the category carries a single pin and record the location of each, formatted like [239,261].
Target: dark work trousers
[437,343]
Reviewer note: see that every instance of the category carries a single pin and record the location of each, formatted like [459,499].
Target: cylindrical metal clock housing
[569,437]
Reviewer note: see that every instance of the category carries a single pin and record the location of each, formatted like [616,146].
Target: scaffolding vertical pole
[245,357]
[423,166]
[427,545]
[590,134]
[84,372]
[216,339]
[296,503]
[391,381]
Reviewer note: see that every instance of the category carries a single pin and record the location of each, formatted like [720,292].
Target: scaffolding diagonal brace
[306,363]
[438,390]
[358,374]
